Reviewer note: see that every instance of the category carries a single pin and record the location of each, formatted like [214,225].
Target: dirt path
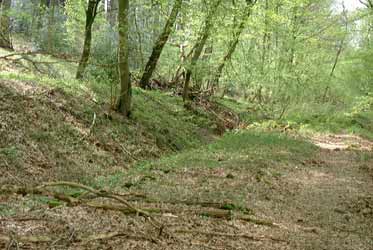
[330,200]
[322,203]
[330,206]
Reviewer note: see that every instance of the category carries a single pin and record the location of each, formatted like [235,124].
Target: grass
[235,150]
[51,120]
[222,171]
[332,119]
[169,142]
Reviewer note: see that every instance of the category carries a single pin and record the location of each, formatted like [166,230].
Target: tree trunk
[158,47]
[41,12]
[52,6]
[124,100]
[266,38]
[91,13]
[233,43]
[198,48]
[113,10]
[5,39]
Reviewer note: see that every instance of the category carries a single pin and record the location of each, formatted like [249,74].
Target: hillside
[252,188]
[46,128]
[186,125]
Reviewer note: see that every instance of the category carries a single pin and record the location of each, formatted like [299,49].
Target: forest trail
[322,201]
[341,142]
[330,205]
[248,190]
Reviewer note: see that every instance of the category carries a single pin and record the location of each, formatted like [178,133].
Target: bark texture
[5,38]
[124,100]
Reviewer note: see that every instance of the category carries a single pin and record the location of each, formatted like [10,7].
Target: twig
[100,193]
[93,124]
[107,236]
[105,194]
[94,237]
[127,152]
[31,239]
[246,236]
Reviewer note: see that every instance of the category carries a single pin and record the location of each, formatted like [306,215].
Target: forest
[186,124]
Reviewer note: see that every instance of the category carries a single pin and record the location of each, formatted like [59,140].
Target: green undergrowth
[241,108]
[221,171]
[237,146]
[53,114]
[332,119]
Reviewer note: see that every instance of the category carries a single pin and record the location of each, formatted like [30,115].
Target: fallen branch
[93,124]
[100,193]
[124,206]
[24,56]
[83,239]
[108,236]
[215,234]
[215,213]
[29,239]
[40,190]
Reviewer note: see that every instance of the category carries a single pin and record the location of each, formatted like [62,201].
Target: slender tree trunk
[124,100]
[52,6]
[342,42]
[233,43]
[139,37]
[113,10]
[5,38]
[294,37]
[158,47]
[91,13]
[198,48]
[266,37]
[41,12]
[339,51]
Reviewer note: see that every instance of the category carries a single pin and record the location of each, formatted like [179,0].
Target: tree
[91,13]
[198,47]
[52,6]
[367,3]
[159,44]
[5,38]
[235,39]
[125,96]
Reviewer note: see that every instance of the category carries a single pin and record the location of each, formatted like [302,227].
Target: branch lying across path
[99,193]
[29,239]
[83,239]
[125,206]
[41,190]
[23,55]
[215,234]
[212,213]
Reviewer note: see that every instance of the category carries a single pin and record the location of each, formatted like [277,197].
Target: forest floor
[268,195]
[187,187]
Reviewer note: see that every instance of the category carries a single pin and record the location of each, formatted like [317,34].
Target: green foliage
[363,104]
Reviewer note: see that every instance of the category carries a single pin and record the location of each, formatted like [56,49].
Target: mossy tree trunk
[91,13]
[5,38]
[158,47]
[198,48]
[125,96]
